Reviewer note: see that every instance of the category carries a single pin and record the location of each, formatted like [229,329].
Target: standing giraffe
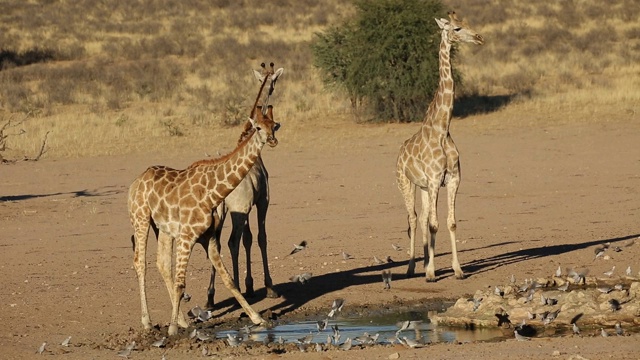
[252,191]
[179,206]
[429,159]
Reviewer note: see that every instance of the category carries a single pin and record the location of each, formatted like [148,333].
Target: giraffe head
[457,31]
[264,125]
[267,76]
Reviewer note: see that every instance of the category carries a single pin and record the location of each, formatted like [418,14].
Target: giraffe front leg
[262,243]
[430,229]
[163,261]
[247,241]
[183,253]
[452,189]
[216,261]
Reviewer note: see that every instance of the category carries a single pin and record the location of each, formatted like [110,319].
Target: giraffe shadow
[105,191]
[296,295]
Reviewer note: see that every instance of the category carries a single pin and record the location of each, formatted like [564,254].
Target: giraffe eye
[457,29]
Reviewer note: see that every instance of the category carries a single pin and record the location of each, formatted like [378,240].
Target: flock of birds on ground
[522,331]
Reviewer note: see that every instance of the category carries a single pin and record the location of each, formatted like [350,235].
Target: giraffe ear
[442,23]
[258,75]
[277,74]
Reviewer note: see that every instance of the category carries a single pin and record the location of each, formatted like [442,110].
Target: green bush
[386,58]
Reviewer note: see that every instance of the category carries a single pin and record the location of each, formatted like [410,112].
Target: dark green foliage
[386,58]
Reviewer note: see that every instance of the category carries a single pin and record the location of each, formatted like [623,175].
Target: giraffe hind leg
[141,233]
[408,191]
[163,262]
[452,189]
[261,208]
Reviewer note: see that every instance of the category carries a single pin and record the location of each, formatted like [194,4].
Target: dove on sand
[298,248]
[603,333]
[576,329]
[558,271]
[346,345]
[346,256]
[160,343]
[233,340]
[628,271]
[66,341]
[610,272]
[41,348]
[520,337]
[301,278]
[396,247]
[411,343]
[377,261]
[386,279]
[619,330]
[614,305]
[127,351]
[336,306]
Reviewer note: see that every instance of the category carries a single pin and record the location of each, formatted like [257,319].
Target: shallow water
[385,325]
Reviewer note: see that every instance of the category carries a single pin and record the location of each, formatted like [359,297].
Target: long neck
[440,110]
[226,173]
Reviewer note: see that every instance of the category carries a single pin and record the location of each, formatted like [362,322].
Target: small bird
[610,272]
[377,261]
[549,317]
[186,297]
[476,303]
[233,340]
[66,341]
[364,338]
[396,247]
[306,339]
[346,345]
[605,289]
[617,249]
[298,248]
[346,256]
[558,271]
[160,343]
[389,260]
[194,312]
[204,316]
[302,278]
[520,337]
[411,343]
[336,334]
[512,279]
[41,349]
[551,301]
[599,252]
[322,324]
[576,329]
[578,276]
[628,271]
[202,336]
[614,304]
[386,279]
[618,287]
[603,333]
[564,287]
[336,306]
[127,351]
[193,334]
[619,330]
[498,291]
[318,347]
[529,297]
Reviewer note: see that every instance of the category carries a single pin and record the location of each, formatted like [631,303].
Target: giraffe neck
[438,115]
[225,174]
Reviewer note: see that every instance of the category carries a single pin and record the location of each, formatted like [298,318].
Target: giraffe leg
[213,239]
[261,208]
[141,234]
[408,191]
[452,189]
[216,261]
[431,209]
[183,252]
[247,240]
[238,221]
[163,261]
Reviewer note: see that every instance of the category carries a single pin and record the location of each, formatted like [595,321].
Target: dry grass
[123,77]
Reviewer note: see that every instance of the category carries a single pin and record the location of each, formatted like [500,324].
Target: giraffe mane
[223,158]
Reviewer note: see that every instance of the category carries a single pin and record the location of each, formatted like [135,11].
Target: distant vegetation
[101,75]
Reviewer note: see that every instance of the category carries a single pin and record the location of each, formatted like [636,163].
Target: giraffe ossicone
[430,159]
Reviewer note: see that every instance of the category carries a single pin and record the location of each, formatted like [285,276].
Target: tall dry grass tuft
[102,76]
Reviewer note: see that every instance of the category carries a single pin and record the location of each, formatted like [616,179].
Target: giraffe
[252,191]
[429,159]
[179,206]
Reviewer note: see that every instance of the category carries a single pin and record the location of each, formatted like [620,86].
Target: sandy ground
[531,198]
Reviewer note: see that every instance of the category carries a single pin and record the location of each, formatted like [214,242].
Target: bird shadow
[295,295]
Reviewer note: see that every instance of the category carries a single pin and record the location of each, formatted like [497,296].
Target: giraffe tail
[133,243]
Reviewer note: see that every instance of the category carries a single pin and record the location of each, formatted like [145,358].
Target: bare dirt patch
[531,199]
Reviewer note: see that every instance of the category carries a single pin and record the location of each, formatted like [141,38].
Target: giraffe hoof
[431,279]
[461,276]
[173,330]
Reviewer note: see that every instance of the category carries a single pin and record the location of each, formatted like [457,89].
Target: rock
[395,355]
